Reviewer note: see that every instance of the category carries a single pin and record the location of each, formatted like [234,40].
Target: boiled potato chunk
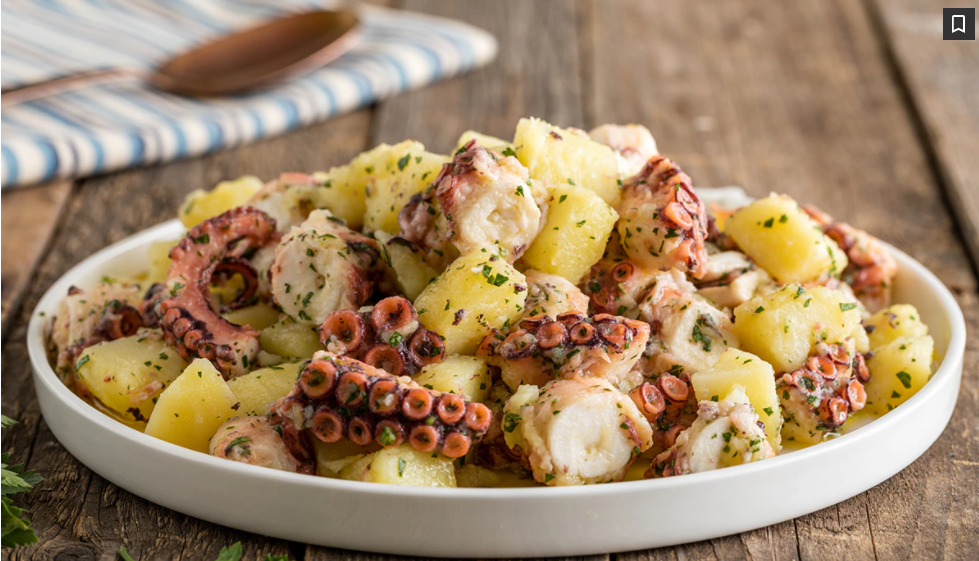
[900,320]
[403,465]
[484,140]
[578,225]
[781,238]
[411,272]
[200,205]
[159,256]
[897,371]
[476,293]
[468,376]
[290,339]
[333,457]
[259,316]
[346,186]
[128,374]
[257,390]
[396,174]
[564,157]
[189,411]
[739,368]
[782,327]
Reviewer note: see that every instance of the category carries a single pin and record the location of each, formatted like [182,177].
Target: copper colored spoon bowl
[246,60]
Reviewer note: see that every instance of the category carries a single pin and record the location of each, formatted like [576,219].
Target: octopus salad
[559,309]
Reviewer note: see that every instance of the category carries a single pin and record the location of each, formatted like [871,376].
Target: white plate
[499,522]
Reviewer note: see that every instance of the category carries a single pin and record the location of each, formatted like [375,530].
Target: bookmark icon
[959,24]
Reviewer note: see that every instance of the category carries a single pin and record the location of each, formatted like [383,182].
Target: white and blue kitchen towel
[123,124]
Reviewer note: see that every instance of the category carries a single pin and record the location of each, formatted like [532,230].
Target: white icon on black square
[959,24]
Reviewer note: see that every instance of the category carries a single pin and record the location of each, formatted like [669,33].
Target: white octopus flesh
[575,431]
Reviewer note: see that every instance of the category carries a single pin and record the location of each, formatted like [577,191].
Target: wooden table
[856,106]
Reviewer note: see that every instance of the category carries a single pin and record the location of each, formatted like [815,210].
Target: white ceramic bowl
[499,522]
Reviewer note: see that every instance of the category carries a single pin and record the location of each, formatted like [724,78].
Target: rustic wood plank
[941,81]
[75,512]
[537,73]
[30,217]
[798,98]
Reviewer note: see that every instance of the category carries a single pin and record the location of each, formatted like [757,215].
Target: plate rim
[948,372]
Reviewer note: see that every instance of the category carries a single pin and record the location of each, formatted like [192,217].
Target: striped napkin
[114,126]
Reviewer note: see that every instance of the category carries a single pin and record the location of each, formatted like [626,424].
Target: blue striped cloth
[114,126]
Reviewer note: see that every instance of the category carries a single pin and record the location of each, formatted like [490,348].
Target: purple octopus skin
[387,336]
[184,307]
[540,349]
[338,397]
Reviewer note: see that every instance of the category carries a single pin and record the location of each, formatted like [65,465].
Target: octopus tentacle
[870,268]
[338,397]
[540,348]
[663,223]
[189,323]
[387,336]
[820,396]
[231,266]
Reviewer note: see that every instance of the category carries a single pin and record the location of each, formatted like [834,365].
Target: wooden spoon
[246,60]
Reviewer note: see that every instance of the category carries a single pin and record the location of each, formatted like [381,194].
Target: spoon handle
[68,82]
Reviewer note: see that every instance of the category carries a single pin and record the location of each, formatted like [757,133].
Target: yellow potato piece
[900,320]
[484,140]
[200,205]
[189,411]
[403,465]
[259,316]
[897,371]
[259,389]
[467,376]
[578,226]
[782,239]
[395,175]
[411,272]
[740,368]
[290,339]
[563,157]
[782,327]
[122,373]
[476,293]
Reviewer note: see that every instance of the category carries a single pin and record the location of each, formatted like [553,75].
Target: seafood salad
[559,309]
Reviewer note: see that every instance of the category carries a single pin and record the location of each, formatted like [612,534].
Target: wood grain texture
[30,217]
[798,97]
[537,73]
[941,80]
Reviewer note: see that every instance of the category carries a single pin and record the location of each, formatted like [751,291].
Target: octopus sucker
[870,269]
[387,336]
[575,431]
[663,223]
[539,349]
[616,284]
[184,307]
[338,397]
[820,396]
